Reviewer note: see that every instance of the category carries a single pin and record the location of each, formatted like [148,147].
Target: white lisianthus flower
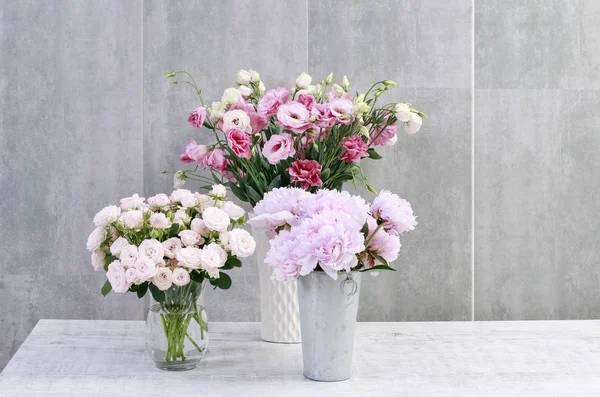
[163,279]
[181,217]
[254,76]
[215,219]
[261,87]
[392,140]
[178,180]
[117,246]
[219,191]
[301,92]
[402,111]
[159,201]
[303,81]
[317,91]
[107,215]
[311,89]
[133,202]
[159,221]
[146,268]
[132,219]
[132,275]
[180,277]
[129,255]
[414,124]
[245,91]
[241,243]
[213,257]
[96,238]
[172,247]
[98,258]
[205,201]
[237,118]
[189,257]
[190,237]
[199,227]
[188,200]
[217,110]
[152,249]
[230,96]
[178,194]
[337,90]
[234,211]
[244,77]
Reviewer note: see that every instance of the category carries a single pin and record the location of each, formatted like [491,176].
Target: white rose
[392,142]
[217,110]
[181,217]
[230,96]
[178,194]
[189,257]
[245,91]
[98,258]
[337,90]
[171,246]
[132,275]
[414,124]
[402,111]
[237,119]
[107,215]
[205,201]
[163,278]
[188,200]
[115,267]
[181,277]
[215,219]
[243,77]
[254,76]
[133,219]
[116,278]
[303,81]
[234,211]
[159,201]
[160,221]
[190,237]
[152,249]
[96,238]
[117,246]
[199,227]
[219,191]
[146,268]
[241,243]
[212,257]
[132,202]
[129,255]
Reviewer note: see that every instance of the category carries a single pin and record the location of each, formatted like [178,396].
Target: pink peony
[239,142]
[256,122]
[270,102]
[216,159]
[322,115]
[356,149]
[307,172]
[197,117]
[281,256]
[294,116]
[278,148]
[396,213]
[307,100]
[195,153]
[382,136]
[342,109]
[324,201]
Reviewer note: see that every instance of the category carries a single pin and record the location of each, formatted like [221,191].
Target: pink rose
[270,102]
[239,142]
[356,149]
[294,116]
[278,148]
[322,115]
[342,109]
[307,100]
[307,172]
[194,152]
[197,117]
[216,159]
[382,136]
[256,122]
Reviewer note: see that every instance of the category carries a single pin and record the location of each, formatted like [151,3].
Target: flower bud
[363,131]
[337,90]
[172,74]
[402,111]
[243,77]
[254,76]
[345,84]
[245,91]
[389,83]
[303,81]
[329,78]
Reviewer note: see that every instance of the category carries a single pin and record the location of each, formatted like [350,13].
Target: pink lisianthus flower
[382,243]
[307,100]
[356,149]
[294,116]
[383,136]
[186,156]
[256,122]
[342,109]
[307,172]
[270,102]
[331,96]
[197,117]
[239,142]
[322,115]
[395,213]
[216,159]
[194,153]
[279,147]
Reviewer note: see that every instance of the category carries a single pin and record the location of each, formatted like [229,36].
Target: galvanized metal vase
[327,319]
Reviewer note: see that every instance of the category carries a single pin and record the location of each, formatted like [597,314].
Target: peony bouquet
[310,136]
[331,231]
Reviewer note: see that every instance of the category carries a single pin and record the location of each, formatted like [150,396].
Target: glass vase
[177,328]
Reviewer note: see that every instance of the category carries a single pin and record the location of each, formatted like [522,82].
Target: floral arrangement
[331,231]
[312,136]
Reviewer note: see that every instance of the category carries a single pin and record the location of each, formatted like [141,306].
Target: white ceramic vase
[279,315]
[328,319]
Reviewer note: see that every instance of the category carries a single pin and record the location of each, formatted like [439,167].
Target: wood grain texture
[107,358]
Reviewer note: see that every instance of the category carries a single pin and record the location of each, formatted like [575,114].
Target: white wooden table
[107,358]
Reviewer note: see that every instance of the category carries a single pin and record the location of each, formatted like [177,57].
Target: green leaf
[108,260]
[275,183]
[373,154]
[106,288]
[174,230]
[239,193]
[223,282]
[232,262]
[365,230]
[253,194]
[196,276]
[377,268]
[157,294]
[325,174]
[379,258]
[142,290]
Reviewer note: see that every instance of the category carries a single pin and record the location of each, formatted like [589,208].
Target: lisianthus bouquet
[310,136]
[331,231]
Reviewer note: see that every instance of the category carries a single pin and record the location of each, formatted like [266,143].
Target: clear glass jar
[177,329]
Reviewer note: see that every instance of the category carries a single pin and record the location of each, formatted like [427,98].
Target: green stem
[372,235]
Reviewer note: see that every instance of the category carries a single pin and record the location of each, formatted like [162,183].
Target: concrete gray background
[87,117]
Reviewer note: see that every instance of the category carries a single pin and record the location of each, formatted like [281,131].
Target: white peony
[244,77]
[303,81]
[180,277]
[146,268]
[217,110]
[199,227]
[414,124]
[133,202]
[216,219]
[107,215]
[240,242]
[160,221]
[152,249]
[98,258]
[237,119]
[230,96]
[171,246]
[190,237]
[234,211]
[219,191]
[96,238]
[159,201]
[403,112]
[178,194]
[117,246]
[188,200]
[245,91]
[212,257]
[133,219]
[189,257]
[163,279]
[129,255]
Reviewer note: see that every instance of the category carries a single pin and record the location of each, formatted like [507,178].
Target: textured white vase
[279,315]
